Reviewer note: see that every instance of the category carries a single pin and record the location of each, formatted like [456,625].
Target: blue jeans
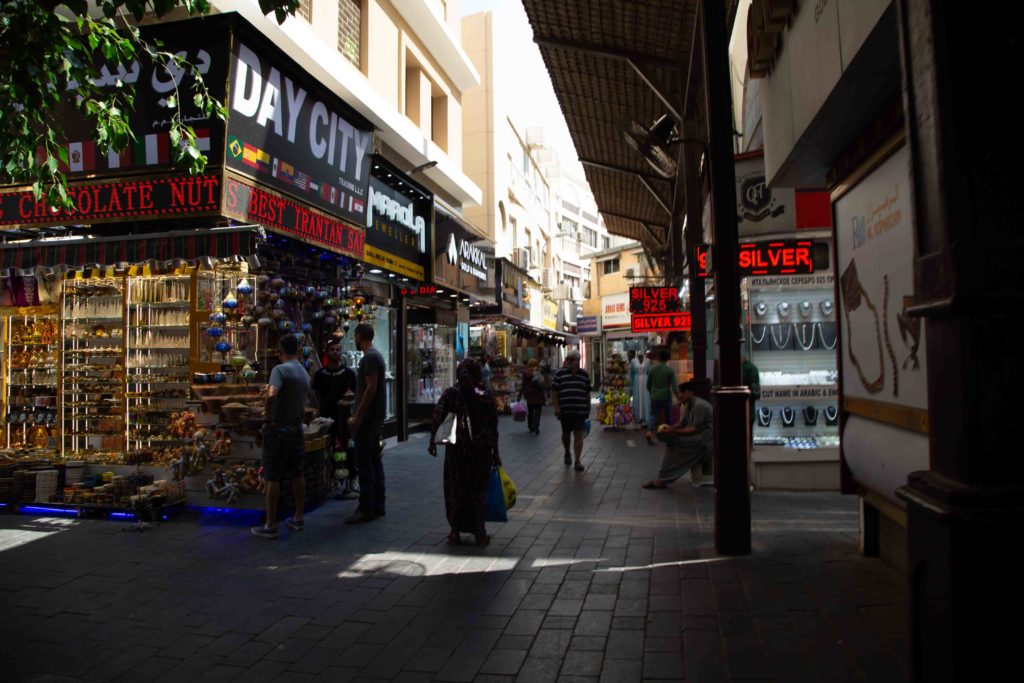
[370,467]
[659,406]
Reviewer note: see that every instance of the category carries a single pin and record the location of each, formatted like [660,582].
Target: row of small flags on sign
[149,150]
[260,160]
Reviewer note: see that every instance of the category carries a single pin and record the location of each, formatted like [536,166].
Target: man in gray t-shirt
[366,421]
[284,446]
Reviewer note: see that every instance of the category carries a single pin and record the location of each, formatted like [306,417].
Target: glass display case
[792,341]
[31,379]
[431,362]
[93,401]
[157,348]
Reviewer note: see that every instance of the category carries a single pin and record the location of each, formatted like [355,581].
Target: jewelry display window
[791,333]
[431,361]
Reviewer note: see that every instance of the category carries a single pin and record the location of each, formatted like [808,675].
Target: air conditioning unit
[522,258]
[561,292]
[630,272]
[576,294]
[548,278]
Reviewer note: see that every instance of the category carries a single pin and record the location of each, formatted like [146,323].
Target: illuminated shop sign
[782,257]
[111,201]
[419,290]
[654,300]
[251,203]
[702,259]
[661,322]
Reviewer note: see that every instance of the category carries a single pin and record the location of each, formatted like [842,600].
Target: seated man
[689,442]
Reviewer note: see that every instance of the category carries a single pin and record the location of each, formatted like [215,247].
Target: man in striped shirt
[570,393]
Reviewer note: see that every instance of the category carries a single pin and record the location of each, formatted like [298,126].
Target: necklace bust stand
[788,417]
[810,416]
[764,416]
[831,415]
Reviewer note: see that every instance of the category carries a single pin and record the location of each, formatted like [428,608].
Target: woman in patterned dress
[467,462]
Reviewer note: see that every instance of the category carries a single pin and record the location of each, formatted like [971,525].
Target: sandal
[482,539]
[454,538]
[655,485]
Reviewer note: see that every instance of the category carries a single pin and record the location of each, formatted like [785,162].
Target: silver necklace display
[805,308]
[826,307]
[753,334]
[778,339]
[783,309]
[788,416]
[764,416]
[824,342]
[810,415]
[831,415]
[760,308]
[804,335]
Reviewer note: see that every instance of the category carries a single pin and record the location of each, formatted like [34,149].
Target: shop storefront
[398,261]
[438,328]
[135,348]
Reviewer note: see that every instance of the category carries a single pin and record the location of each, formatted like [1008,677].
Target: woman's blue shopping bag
[494,501]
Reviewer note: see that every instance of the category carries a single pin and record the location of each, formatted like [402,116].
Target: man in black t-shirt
[366,422]
[331,384]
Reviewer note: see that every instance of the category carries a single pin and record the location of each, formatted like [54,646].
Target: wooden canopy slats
[612,62]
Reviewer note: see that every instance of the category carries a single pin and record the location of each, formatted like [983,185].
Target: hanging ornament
[246,320]
[223,346]
[265,322]
[279,304]
[248,374]
[218,318]
[230,303]
[318,315]
[308,364]
[277,283]
[285,325]
[329,320]
[244,287]
[322,294]
[329,302]
[307,351]
[214,332]
[307,327]
[310,291]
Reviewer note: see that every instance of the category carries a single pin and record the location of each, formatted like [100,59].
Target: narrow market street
[592,579]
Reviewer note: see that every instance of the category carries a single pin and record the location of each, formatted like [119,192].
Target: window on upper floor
[605,242]
[426,104]
[588,237]
[610,266]
[305,10]
[350,30]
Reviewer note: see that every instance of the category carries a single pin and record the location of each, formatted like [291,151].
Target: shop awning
[215,243]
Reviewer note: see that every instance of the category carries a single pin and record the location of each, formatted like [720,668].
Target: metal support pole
[694,236]
[732,401]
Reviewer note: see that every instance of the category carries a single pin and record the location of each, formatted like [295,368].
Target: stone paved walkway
[592,579]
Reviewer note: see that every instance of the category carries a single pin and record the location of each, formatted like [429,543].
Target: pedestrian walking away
[468,461]
[333,385]
[533,390]
[284,446]
[366,422]
[688,443]
[661,383]
[570,394]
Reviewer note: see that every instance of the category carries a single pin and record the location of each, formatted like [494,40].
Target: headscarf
[469,369]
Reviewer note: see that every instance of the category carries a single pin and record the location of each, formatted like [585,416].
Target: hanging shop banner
[588,326]
[615,310]
[702,260]
[550,320]
[248,202]
[654,300]
[883,360]
[290,133]
[204,44]
[660,322]
[398,222]
[760,209]
[515,295]
[130,199]
[462,259]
